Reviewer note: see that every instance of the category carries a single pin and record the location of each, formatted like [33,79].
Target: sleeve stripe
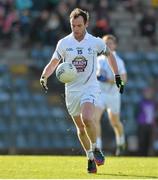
[59,56]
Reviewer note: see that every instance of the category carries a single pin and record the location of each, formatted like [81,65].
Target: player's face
[111,44]
[78,27]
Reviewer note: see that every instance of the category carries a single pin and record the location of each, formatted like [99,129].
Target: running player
[81,48]
[110,97]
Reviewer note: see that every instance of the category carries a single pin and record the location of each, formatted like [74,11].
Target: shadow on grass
[126,175]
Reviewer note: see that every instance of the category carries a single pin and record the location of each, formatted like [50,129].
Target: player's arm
[51,66]
[123,71]
[48,70]
[112,62]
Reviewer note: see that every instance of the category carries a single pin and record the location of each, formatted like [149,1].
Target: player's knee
[87,118]
[87,115]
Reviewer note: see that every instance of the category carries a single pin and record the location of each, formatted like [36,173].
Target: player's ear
[87,23]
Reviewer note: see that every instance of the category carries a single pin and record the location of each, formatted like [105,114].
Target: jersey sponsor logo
[80,63]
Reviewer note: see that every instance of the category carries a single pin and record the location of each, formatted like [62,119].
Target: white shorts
[75,99]
[110,102]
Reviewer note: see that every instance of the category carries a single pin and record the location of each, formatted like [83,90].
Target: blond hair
[111,37]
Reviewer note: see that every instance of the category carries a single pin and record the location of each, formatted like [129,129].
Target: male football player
[81,48]
[110,98]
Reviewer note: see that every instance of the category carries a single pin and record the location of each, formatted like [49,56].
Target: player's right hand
[43,82]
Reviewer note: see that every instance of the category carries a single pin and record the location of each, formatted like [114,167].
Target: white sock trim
[120,140]
[93,146]
[90,154]
[99,143]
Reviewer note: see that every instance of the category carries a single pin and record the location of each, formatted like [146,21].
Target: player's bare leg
[81,132]
[99,113]
[88,117]
[119,131]
[86,143]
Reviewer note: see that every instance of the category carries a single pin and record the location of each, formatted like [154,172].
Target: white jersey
[83,55]
[102,65]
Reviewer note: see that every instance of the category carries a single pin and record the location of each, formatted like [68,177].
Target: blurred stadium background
[32,122]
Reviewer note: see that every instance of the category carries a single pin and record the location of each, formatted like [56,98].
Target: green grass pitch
[74,167]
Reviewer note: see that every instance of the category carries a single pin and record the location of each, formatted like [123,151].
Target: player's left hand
[119,83]
[43,82]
